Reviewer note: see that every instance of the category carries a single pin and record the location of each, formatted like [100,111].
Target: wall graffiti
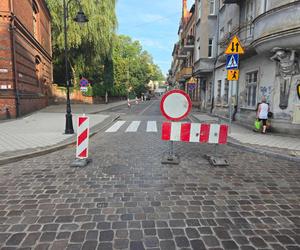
[266,92]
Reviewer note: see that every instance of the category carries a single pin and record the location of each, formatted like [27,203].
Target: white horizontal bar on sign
[175,131]
[115,127]
[214,133]
[133,127]
[151,126]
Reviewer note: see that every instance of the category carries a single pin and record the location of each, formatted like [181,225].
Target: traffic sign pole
[175,106]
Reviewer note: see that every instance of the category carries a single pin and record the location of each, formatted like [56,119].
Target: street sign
[298,90]
[232,61]
[84,89]
[191,86]
[233,75]
[83,82]
[175,105]
[235,47]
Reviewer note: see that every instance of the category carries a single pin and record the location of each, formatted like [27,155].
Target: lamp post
[80,18]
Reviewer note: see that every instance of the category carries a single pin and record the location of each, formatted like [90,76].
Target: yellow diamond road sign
[235,47]
[233,75]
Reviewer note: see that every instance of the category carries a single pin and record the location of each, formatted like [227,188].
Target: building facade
[25,57]
[269,31]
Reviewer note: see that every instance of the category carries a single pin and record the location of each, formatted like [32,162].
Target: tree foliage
[133,67]
[111,62]
[90,44]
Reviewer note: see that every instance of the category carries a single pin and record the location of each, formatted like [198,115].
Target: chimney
[184,9]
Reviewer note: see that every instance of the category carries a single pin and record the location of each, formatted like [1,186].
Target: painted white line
[133,127]
[151,126]
[115,127]
[147,108]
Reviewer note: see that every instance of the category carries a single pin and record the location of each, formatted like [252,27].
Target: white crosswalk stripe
[115,127]
[133,127]
[151,126]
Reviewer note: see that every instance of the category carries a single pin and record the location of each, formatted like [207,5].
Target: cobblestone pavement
[126,199]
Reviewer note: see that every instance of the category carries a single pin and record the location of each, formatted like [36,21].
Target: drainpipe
[15,76]
[215,62]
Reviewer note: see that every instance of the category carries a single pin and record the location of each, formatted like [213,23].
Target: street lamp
[80,18]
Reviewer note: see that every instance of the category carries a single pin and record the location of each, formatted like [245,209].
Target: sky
[154,23]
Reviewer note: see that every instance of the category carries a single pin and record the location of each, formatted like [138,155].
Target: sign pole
[230,106]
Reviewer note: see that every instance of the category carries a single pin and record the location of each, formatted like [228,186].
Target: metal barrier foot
[80,163]
[216,161]
[170,159]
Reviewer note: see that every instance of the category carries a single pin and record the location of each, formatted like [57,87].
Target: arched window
[35,14]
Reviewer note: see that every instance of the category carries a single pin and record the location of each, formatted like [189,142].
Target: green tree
[133,67]
[90,44]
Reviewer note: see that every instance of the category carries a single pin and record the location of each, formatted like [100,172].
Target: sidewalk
[271,144]
[43,131]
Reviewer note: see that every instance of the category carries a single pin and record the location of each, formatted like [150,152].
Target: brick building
[25,56]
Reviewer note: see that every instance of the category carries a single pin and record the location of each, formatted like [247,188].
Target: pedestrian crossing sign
[233,75]
[232,61]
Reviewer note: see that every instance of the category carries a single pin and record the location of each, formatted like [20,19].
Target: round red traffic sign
[175,105]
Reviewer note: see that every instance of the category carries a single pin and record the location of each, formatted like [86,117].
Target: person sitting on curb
[262,113]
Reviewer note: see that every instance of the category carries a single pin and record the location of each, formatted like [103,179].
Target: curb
[244,147]
[71,141]
[107,108]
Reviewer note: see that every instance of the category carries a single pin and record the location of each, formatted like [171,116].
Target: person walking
[262,113]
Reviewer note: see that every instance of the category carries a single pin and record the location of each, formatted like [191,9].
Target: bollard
[82,145]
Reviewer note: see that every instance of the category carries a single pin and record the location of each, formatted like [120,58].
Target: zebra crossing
[133,126]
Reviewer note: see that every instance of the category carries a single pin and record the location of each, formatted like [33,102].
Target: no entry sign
[175,105]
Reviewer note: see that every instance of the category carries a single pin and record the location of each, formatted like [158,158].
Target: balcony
[278,27]
[189,45]
[184,74]
[204,65]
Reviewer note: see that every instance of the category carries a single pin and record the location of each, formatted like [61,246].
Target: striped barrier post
[82,145]
[199,133]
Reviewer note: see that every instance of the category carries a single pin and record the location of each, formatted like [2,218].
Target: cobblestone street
[126,199]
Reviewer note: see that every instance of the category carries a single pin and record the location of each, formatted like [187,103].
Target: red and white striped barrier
[82,137]
[195,132]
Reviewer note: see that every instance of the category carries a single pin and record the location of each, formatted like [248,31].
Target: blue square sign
[232,61]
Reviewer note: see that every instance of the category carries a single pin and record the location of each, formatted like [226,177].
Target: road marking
[151,126]
[133,127]
[148,107]
[115,127]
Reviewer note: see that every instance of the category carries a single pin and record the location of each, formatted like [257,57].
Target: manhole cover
[116,169]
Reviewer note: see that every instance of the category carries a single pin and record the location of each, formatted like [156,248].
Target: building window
[199,9]
[219,91]
[35,12]
[251,88]
[250,14]
[226,91]
[211,7]
[222,33]
[38,70]
[229,25]
[210,47]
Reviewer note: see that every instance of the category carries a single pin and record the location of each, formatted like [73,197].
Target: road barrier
[202,133]
[195,132]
